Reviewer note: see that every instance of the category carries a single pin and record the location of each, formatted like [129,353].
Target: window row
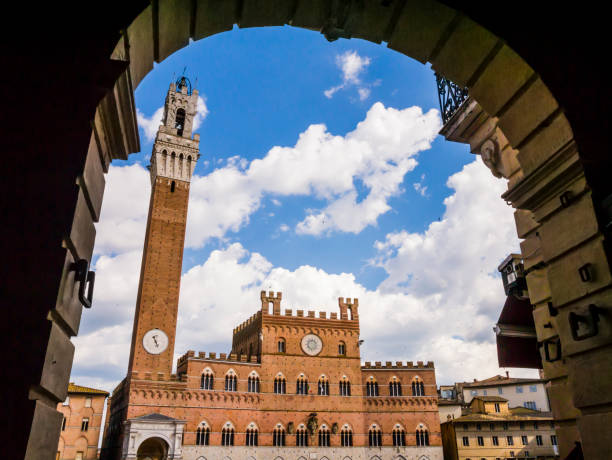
[500,390]
[495,440]
[505,426]
[303,438]
[207,382]
[84,424]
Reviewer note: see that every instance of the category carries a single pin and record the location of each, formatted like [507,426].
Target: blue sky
[321,175]
[262,88]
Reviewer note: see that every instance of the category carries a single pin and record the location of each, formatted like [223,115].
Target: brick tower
[173,160]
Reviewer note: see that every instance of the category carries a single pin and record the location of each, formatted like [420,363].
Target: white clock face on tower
[155,341]
[311,344]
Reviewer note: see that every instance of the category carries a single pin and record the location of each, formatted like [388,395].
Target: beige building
[493,431]
[82,422]
[519,392]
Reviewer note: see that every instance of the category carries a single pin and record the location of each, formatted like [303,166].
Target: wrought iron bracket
[450,97]
[86,279]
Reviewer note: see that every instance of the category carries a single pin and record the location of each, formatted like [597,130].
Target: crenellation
[288,312]
[323,314]
[300,313]
[311,314]
[333,315]
[212,355]
[223,356]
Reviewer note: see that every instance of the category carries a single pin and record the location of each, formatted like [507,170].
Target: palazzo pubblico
[293,385]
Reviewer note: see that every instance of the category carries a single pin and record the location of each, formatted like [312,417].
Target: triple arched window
[346,437]
[253,383]
[422,437]
[395,387]
[323,386]
[252,433]
[203,435]
[227,435]
[372,388]
[231,382]
[280,385]
[375,436]
[399,436]
[418,387]
[301,436]
[345,387]
[278,438]
[207,380]
[324,436]
[301,385]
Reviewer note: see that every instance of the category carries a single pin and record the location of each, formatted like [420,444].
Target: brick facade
[82,423]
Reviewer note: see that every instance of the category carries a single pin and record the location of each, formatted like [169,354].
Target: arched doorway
[500,80]
[152,449]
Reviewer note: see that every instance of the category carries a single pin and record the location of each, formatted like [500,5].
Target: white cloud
[352,66]
[151,124]
[201,113]
[419,187]
[124,210]
[284,228]
[379,153]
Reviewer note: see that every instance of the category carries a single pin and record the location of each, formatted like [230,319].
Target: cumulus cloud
[379,153]
[352,66]
[439,301]
[150,124]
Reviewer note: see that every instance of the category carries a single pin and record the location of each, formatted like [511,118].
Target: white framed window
[474,392]
[519,389]
[88,401]
[500,391]
[85,424]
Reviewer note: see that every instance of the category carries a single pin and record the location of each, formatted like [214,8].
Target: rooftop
[490,398]
[73,388]
[498,380]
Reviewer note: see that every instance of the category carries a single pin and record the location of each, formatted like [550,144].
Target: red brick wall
[160,277]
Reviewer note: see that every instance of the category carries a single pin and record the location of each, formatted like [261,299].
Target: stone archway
[499,79]
[152,449]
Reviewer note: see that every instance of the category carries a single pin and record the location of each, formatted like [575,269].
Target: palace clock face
[155,341]
[312,344]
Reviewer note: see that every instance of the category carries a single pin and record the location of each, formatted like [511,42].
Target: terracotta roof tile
[72,388]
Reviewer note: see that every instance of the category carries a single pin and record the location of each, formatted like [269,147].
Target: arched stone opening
[152,449]
[529,116]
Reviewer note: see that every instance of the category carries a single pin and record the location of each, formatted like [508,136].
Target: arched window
[395,387]
[180,121]
[418,387]
[342,348]
[231,381]
[253,383]
[203,434]
[172,186]
[324,436]
[399,436]
[323,386]
[252,433]
[278,436]
[207,380]
[227,435]
[281,345]
[345,387]
[301,436]
[346,437]
[372,387]
[375,436]
[422,436]
[301,385]
[280,385]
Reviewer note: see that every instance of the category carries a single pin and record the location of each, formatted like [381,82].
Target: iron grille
[450,95]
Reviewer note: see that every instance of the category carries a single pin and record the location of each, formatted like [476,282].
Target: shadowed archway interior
[541,160]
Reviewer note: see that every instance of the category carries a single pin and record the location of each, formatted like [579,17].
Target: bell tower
[173,160]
